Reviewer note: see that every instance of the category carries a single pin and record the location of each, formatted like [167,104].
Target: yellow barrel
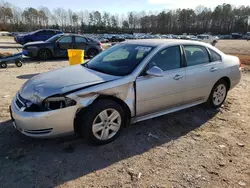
[75,56]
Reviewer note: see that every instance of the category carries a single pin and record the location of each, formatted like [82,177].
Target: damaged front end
[50,103]
[41,121]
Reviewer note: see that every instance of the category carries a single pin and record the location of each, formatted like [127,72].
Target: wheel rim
[219,94]
[3,65]
[106,124]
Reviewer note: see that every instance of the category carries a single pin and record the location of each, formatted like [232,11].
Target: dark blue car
[39,35]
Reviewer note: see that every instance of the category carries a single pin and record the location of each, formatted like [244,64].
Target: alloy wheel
[219,94]
[106,124]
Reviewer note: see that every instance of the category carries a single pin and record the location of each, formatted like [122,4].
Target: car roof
[158,42]
[49,30]
[73,34]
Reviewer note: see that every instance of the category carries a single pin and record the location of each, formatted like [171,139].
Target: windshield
[119,60]
[54,38]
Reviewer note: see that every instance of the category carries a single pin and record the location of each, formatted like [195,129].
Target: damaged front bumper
[43,124]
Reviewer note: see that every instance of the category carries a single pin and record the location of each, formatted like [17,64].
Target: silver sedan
[128,83]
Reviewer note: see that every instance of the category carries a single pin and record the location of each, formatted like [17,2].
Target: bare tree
[224,19]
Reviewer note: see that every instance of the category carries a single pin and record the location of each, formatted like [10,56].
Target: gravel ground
[197,147]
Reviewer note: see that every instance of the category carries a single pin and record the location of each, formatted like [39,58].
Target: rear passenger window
[215,56]
[67,39]
[80,39]
[196,55]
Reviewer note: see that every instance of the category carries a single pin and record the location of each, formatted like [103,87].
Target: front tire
[218,94]
[103,122]
[3,65]
[44,54]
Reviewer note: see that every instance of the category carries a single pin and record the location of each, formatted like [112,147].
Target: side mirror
[155,71]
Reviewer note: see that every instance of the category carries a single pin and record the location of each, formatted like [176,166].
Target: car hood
[61,81]
[35,43]
[22,35]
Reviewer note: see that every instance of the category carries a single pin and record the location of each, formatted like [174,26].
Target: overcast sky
[123,6]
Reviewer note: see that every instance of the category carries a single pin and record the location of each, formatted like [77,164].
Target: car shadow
[26,76]
[54,162]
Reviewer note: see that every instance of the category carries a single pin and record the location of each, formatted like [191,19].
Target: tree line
[223,19]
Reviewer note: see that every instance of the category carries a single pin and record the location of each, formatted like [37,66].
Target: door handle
[213,69]
[178,77]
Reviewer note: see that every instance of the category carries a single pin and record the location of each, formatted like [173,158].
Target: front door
[62,46]
[154,94]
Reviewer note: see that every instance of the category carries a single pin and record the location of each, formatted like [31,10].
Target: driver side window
[167,59]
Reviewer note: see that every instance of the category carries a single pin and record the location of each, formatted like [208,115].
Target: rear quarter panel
[232,64]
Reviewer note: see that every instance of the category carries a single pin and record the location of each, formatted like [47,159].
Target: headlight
[31,47]
[54,103]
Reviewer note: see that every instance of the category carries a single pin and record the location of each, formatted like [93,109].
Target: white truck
[208,39]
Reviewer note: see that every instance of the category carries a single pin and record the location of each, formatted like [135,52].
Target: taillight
[99,44]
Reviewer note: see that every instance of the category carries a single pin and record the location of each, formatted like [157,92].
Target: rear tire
[44,54]
[92,52]
[19,63]
[3,65]
[102,122]
[218,94]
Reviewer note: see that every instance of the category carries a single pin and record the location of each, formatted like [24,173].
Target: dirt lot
[196,147]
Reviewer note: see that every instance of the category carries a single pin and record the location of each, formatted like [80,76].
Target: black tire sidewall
[88,117]
[19,62]
[210,100]
[92,50]
[3,65]
[44,51]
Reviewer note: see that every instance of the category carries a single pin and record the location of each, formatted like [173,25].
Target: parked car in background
[5,33]
[129,82]
[103,40]
[237,36]
[116,38]
[225,36]
[39,35]
[58,45]
[213,40]
[248,36]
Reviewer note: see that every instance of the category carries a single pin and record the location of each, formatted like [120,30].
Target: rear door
[62,46]
[80,43]
[203,69]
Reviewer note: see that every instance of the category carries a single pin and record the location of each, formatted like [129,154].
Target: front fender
[125,92]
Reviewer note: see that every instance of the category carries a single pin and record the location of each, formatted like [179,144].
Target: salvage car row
[47,43]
